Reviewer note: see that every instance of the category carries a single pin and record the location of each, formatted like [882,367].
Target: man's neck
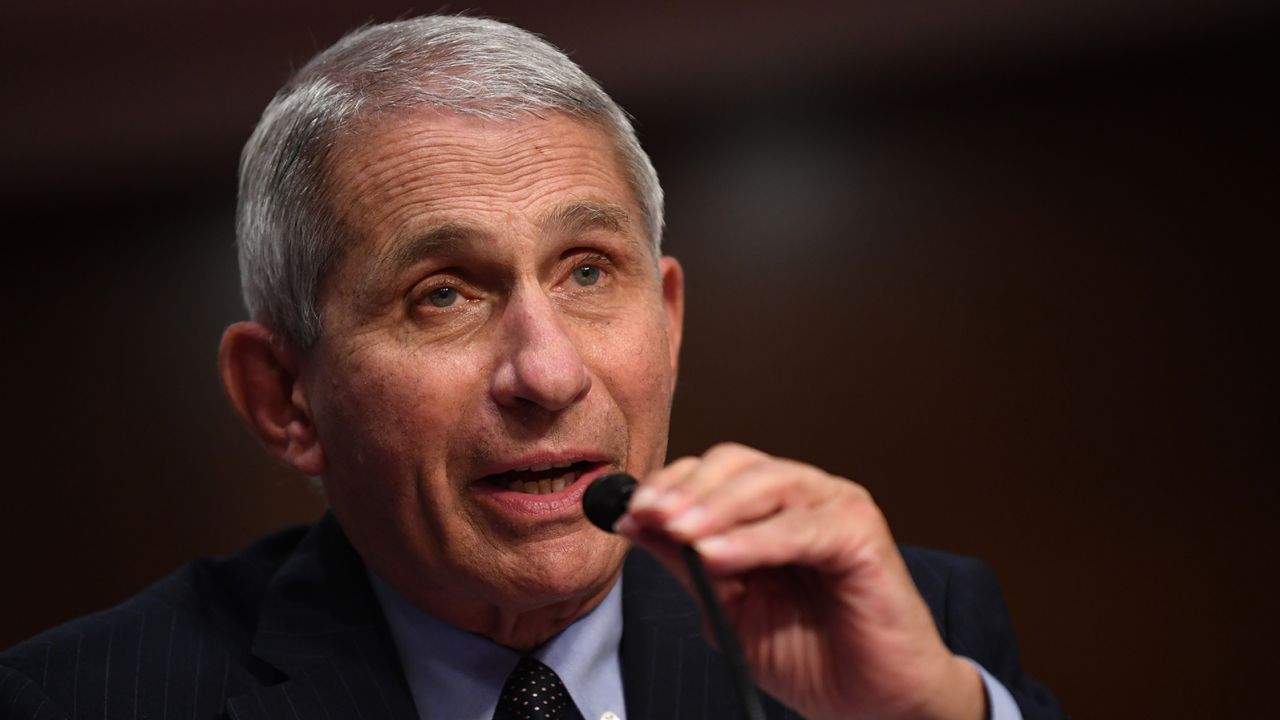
[521,630]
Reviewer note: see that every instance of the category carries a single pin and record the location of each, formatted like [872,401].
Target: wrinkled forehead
[424,177]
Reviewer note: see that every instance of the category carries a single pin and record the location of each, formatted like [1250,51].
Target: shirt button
[609,715]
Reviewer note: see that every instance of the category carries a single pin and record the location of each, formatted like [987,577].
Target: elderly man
[449,244]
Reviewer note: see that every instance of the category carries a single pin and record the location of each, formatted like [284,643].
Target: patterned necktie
[534,692]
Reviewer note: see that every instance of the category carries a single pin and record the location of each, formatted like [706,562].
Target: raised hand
[812,581]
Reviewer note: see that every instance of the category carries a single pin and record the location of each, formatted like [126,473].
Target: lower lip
[563,503]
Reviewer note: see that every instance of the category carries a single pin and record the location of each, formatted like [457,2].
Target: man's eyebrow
[585,215]
[444,238]
[447,237]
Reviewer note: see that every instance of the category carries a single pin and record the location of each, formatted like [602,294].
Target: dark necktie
[534,692]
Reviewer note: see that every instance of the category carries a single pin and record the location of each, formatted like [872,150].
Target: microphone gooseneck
[603,503]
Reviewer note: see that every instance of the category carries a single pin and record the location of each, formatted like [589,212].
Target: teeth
[543,486]
[539,487]
[544,466]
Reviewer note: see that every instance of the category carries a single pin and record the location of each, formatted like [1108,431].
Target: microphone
[605,501]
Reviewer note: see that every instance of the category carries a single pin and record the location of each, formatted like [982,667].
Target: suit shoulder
[931,564]
[969,609]
[938,574]
[203,613]
[22,697]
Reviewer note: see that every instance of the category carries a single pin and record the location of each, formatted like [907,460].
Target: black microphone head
[606,499]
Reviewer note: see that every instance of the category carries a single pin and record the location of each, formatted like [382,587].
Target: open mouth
[542,479]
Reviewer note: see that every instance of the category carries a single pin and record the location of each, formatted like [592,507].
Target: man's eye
[586,275]
[443,296]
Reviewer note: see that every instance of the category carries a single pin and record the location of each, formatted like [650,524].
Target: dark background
[1008,264]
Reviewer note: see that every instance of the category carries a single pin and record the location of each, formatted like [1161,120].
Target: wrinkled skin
[811,579]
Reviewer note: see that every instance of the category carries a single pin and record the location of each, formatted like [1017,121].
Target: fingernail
[626,525]
[643,498]
[711,546]
[688,522]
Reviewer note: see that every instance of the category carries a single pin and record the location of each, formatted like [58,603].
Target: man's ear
[672,276]
[261,377]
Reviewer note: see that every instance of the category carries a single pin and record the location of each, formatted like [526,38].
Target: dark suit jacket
[290,628]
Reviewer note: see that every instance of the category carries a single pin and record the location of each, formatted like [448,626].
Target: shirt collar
[458,675]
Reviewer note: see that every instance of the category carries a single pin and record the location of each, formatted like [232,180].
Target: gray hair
[286,227]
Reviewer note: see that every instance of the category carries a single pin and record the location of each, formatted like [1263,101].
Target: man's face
[497,324]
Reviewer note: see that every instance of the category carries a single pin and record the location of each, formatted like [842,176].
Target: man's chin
[530,604]
[551,576]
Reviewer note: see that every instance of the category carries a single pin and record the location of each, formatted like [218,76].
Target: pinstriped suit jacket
[291,629]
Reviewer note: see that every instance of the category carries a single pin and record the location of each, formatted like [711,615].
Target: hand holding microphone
[809,579]
[604,503]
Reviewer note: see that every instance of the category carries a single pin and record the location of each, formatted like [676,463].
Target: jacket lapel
[321,627]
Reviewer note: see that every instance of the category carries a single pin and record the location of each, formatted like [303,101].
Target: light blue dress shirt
[457,675]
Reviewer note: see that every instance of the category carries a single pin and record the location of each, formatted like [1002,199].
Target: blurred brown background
[1011,265]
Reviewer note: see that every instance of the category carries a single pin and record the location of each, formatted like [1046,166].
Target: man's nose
[540,364]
